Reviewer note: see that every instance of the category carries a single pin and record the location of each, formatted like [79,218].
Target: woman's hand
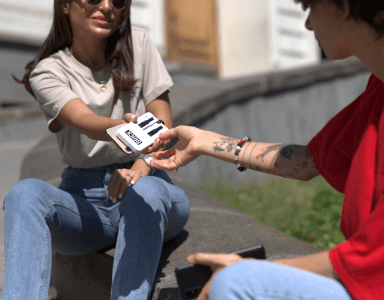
[122,178]
[216,262]
[185,151]
[128,117]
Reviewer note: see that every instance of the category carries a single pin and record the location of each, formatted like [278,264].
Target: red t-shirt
[349,154]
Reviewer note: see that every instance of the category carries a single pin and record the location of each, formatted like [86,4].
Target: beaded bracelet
[238,148]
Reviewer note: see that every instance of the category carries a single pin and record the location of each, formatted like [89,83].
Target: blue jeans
[78,218]
[262,280]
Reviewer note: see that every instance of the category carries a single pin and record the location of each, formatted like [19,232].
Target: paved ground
[16,139]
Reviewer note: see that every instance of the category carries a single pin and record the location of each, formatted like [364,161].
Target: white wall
[291,44]
[25,21]
[29,21]
[256,36]
[243,37]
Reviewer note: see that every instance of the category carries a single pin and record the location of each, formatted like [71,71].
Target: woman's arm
[121,178]
[76,115]
[286,160]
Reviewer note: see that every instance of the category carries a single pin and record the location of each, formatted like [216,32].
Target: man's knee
[235,280]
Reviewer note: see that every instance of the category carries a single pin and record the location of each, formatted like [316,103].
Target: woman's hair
[368,11]
[119,50]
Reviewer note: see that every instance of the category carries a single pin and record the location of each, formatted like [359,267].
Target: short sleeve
[51,89]
[156,79]
[333,147]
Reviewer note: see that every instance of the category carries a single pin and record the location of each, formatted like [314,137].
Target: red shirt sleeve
[332,147]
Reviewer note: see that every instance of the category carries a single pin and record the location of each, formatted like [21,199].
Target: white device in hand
[142,133]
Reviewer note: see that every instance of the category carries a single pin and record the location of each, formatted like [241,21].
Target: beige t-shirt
[60,78]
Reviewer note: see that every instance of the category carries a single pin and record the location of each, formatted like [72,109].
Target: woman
[92,70]
[348,152]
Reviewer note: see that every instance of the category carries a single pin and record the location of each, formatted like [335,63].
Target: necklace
[103,87]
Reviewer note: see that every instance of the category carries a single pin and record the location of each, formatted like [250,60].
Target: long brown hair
[119,50]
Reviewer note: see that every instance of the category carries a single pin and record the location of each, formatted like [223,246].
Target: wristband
[147,160]
[238,148]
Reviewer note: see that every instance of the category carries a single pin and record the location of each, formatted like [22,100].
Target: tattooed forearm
[286,150]
[308,154]
[244,151]
[217,148]
[287,160]
[289,150]
[267,150]
[250,156]
[226,144]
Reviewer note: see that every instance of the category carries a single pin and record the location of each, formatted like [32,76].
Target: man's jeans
[79,218]
[262,280]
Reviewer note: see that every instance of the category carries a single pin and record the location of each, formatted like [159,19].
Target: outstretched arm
[286,160]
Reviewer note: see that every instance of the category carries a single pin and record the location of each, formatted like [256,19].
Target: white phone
[136,136]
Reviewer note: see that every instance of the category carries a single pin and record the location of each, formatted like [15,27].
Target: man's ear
[65,6]
[344,11]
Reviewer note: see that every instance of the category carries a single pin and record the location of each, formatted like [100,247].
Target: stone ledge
[212,227]
[191,104]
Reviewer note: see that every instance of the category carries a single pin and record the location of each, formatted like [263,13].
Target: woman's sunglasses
[118,4]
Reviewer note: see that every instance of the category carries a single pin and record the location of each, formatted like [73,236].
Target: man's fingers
[165,136]
[165,165]
[165,153]
[201,259]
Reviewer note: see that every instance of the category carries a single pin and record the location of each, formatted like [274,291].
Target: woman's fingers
[114,185]
[128,117]
[119,182]
[135,177]
[125,180]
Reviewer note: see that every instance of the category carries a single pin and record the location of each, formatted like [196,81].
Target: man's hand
[185,151]
[216,262]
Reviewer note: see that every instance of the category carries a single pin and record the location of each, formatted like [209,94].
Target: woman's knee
[155,192]
[25,194]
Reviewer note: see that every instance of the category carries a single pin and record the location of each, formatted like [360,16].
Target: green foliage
[309,211]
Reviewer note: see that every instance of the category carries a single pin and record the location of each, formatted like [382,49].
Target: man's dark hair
[368,11]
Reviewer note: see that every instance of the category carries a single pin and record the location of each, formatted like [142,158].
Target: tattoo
[268,150]
[287,152]
[308,154]
[228,144]
[217,148]
[244,153]
[250,156]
